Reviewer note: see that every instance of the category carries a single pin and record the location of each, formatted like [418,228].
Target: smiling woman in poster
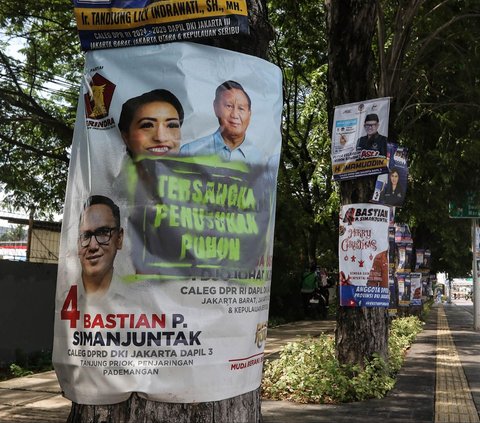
[150,124]
[393,194]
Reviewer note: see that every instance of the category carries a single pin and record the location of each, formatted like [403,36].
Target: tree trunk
[239,409]
[242,408]
[360,332]
[351,25]
[350,29]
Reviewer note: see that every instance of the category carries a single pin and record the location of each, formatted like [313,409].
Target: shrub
[308,371]
[18,371]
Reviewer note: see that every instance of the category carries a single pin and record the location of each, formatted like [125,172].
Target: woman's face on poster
[154,130]
[394,178]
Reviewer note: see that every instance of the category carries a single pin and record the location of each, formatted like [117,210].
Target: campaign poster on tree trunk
[363,255]
[106,24]
[166,248]
[404,289]
[416,289]
[359,139]
[390,189]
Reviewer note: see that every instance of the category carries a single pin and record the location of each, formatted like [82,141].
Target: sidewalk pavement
[440,380]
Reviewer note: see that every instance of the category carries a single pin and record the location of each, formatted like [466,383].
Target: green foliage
[434,113]
[307,201]
[38,95]
[27,364]
[17,233]
[36,361]
[402,334]
[18,371]
[308,371]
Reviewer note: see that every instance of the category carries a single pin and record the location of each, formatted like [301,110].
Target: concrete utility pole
[476,288]
[449,298]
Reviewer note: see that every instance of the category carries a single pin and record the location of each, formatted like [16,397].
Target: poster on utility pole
[359,139]
[363,255]
[166,248]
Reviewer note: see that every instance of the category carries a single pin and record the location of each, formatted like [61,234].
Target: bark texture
[360,332]
[240,409]
[351,25]
[255,43]
[350,28]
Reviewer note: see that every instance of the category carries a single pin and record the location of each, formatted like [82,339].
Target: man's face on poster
[99,240]
[371,127]
[233,113]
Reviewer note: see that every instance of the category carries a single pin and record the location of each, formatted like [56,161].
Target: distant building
[462,288]
[42,245]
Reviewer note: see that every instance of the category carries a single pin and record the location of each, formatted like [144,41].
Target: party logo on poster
[98,97]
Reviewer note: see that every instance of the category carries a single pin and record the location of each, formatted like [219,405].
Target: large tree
[418,53]
[427,52]
[239,409]
[361,331]
[306,192]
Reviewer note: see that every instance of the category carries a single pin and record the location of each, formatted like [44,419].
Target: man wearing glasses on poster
[100,237]
[373,140]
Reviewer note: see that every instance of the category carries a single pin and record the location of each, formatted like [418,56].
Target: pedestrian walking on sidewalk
[309,285]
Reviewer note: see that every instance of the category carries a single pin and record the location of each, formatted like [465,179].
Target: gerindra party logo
[98,97]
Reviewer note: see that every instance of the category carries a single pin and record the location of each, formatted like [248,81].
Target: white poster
[166,249]
[359,139]
[477,240]
[363,255]
[416,288]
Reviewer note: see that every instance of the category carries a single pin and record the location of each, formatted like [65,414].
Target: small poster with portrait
[359,139]
[416,289]
[404,251]
[363,255]
[391,188]
[392,308]
[402,233]
[419,255]
[404,289]
[426,262]
[167,237]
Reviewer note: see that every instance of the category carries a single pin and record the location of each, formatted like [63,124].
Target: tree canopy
[38,95]
[423,55]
